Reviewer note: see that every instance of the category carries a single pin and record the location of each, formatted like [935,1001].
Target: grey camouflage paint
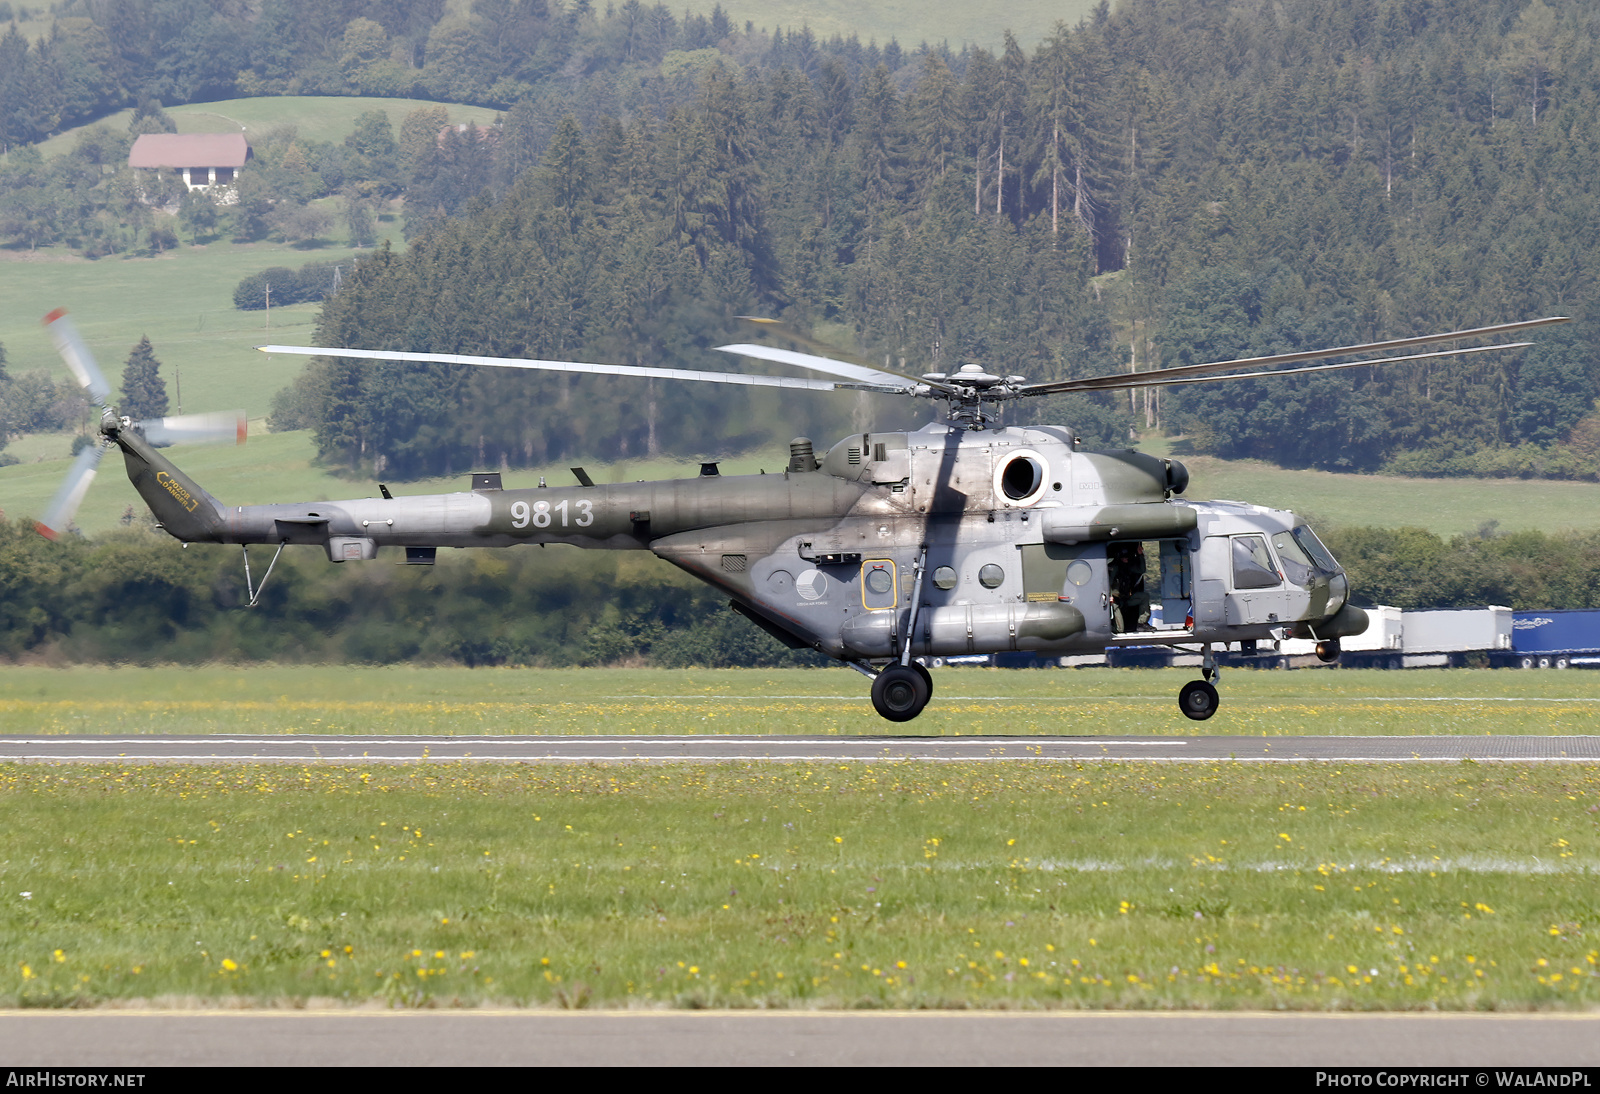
[1015,526]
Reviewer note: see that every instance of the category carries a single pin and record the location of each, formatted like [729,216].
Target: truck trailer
[1552,639]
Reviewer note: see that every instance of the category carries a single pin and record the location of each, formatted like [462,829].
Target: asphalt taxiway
[381,748]
[132,1039]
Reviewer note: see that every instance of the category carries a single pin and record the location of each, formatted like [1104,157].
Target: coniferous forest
[1171,181]
[1167,182]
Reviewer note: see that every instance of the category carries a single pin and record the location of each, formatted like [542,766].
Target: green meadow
[308,699]
[183,300]
[905,885]
[1445,507]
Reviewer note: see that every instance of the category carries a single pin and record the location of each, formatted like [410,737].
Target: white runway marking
[790,748]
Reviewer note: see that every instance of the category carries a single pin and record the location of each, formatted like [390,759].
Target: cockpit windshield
[1297,565]
[1307,539]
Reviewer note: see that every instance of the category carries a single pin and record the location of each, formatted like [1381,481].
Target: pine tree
[144,393]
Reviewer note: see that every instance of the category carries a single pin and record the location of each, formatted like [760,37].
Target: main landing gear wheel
[900,692]
[1328,651]
[1198,700]
[927,677]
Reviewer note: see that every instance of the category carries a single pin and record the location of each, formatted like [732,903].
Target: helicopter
[963,537]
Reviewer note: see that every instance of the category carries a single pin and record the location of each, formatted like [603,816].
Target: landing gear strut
[1198,699]
[900,692]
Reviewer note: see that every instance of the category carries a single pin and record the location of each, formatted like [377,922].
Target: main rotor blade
[1120,380]
[214,428]
[860,373]
[645,371]
[77,356]
[1158,377]
[59,513]
[831,357]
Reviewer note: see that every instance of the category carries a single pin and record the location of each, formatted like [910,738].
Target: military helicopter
[962,537]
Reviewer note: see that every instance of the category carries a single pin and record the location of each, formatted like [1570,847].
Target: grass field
[1443,506]
[315,117]
[183,300]
[854,885]
[967,701]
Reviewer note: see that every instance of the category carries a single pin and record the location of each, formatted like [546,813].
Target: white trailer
[1434,639]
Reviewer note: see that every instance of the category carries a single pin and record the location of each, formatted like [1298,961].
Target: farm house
[203,160]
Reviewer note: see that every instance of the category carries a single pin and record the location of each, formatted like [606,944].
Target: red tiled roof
[189,150]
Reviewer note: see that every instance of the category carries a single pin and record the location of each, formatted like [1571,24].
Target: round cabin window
[1079,572]
[879,581]
[944,577]
[991,576]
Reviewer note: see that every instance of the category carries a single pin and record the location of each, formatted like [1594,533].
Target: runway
[380,748]
[133,1039]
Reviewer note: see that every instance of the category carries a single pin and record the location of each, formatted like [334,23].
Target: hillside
[1155,185]
[314,117]
[1160,185]
[183,300]
[911,22]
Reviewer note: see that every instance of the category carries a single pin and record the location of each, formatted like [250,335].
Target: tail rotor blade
[77,356]
[219,427]
[58,517]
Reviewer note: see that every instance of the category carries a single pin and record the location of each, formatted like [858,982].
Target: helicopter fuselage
[938,542]
[956,538]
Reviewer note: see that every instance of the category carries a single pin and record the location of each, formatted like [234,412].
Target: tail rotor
[212,428]
[58,516]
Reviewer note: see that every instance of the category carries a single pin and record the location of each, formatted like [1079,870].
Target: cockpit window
[1304,536]
[1297,565]
[1252,564]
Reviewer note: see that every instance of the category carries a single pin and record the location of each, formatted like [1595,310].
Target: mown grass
[967,701]
[903,884]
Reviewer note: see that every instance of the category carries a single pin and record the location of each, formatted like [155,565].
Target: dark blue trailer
[1555,639]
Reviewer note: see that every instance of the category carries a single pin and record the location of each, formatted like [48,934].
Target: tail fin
[185,510]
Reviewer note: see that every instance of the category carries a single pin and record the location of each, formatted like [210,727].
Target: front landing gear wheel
[1328,651]
[1198,700]
[899,693]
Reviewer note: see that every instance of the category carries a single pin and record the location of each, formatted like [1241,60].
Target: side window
[1252,564]
[877,584]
